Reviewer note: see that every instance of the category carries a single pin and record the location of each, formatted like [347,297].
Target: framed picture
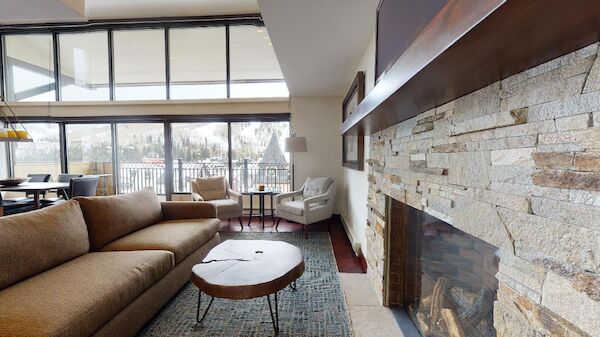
[353,147]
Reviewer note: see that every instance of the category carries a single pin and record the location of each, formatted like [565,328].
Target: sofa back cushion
[33,242]
[211,188]
[316,186]
[112,217]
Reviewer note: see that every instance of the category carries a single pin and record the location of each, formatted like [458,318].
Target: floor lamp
[295,144]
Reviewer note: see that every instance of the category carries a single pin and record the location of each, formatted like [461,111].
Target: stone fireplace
[512,169]
[444,277]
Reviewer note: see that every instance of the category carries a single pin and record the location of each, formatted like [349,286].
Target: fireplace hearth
[443,277]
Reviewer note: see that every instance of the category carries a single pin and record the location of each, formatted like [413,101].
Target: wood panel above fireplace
[468,45]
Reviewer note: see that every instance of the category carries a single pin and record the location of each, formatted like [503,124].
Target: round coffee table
[245,269]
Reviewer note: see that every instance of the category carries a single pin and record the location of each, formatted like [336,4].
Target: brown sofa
[98,266]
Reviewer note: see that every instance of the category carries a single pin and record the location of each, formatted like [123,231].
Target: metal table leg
[272,212]
[274,318]
[262,209]
[251,209]
[198,307]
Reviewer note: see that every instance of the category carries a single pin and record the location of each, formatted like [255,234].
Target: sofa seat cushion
[295,207]
[226,206]
[181,237]
[111,217]
[80,296]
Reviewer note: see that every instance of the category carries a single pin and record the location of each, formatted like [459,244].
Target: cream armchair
[318,197]
[218,192]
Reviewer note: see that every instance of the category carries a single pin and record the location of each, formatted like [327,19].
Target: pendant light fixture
[14,130]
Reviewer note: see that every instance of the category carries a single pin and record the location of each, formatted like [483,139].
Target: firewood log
[437,301]
[423,326]
[452,324]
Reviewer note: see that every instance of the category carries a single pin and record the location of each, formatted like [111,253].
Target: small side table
[261,203]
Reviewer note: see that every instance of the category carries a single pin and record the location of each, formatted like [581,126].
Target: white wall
[319,120]
[355,182]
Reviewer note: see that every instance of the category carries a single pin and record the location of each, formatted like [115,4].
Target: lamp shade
[295,144]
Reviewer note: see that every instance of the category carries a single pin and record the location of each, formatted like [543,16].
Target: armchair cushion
[210,188]
[293,207]
[226,206]
[315,186]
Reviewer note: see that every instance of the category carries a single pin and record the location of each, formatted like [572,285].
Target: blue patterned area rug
[317,308]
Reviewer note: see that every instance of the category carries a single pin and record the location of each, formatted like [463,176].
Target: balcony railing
[137,175]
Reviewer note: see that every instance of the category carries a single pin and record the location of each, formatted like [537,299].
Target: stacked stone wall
[516,164]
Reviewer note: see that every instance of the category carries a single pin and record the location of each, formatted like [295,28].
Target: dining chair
[78,187]
[65,178]
[8,207]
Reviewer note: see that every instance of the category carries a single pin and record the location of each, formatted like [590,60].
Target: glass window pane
[139,64]
[84,66]
[199,150]
[42,156]
[29,68]
[89,152]
[198,63]
[141,155]
[255,71]
[258,156]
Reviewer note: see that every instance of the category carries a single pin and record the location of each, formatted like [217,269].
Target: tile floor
[369,318]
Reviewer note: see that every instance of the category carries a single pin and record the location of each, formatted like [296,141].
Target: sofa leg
[306,231]
[277,224]
[241,223]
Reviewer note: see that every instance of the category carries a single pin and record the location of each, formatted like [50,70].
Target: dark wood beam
[471,44]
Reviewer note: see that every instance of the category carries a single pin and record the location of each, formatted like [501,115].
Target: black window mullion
[115,156]
[2,70]
[62,138]
[56,53]
[227,60]
[229,154]
[168,148]
[111,72]
[167,64]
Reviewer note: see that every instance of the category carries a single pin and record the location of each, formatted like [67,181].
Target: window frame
[110,26]
[167,121]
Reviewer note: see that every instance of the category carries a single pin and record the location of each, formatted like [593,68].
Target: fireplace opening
[443,277]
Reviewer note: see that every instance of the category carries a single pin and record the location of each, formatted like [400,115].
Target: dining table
[36,189]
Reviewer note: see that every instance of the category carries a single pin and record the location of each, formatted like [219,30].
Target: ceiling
[35,11]
[43,11]
[118,9]
[317,42]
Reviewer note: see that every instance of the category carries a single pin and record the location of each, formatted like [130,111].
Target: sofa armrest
[175,210]
[237,197]
[279,197]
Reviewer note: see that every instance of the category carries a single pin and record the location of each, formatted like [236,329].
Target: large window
[139,64]
[198,63]
[131,155]
[199,150]
[257,155]
[29,68]
[141,156]
[203,59]
[255,71]
[42,156]
[84,66]
[89,152]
